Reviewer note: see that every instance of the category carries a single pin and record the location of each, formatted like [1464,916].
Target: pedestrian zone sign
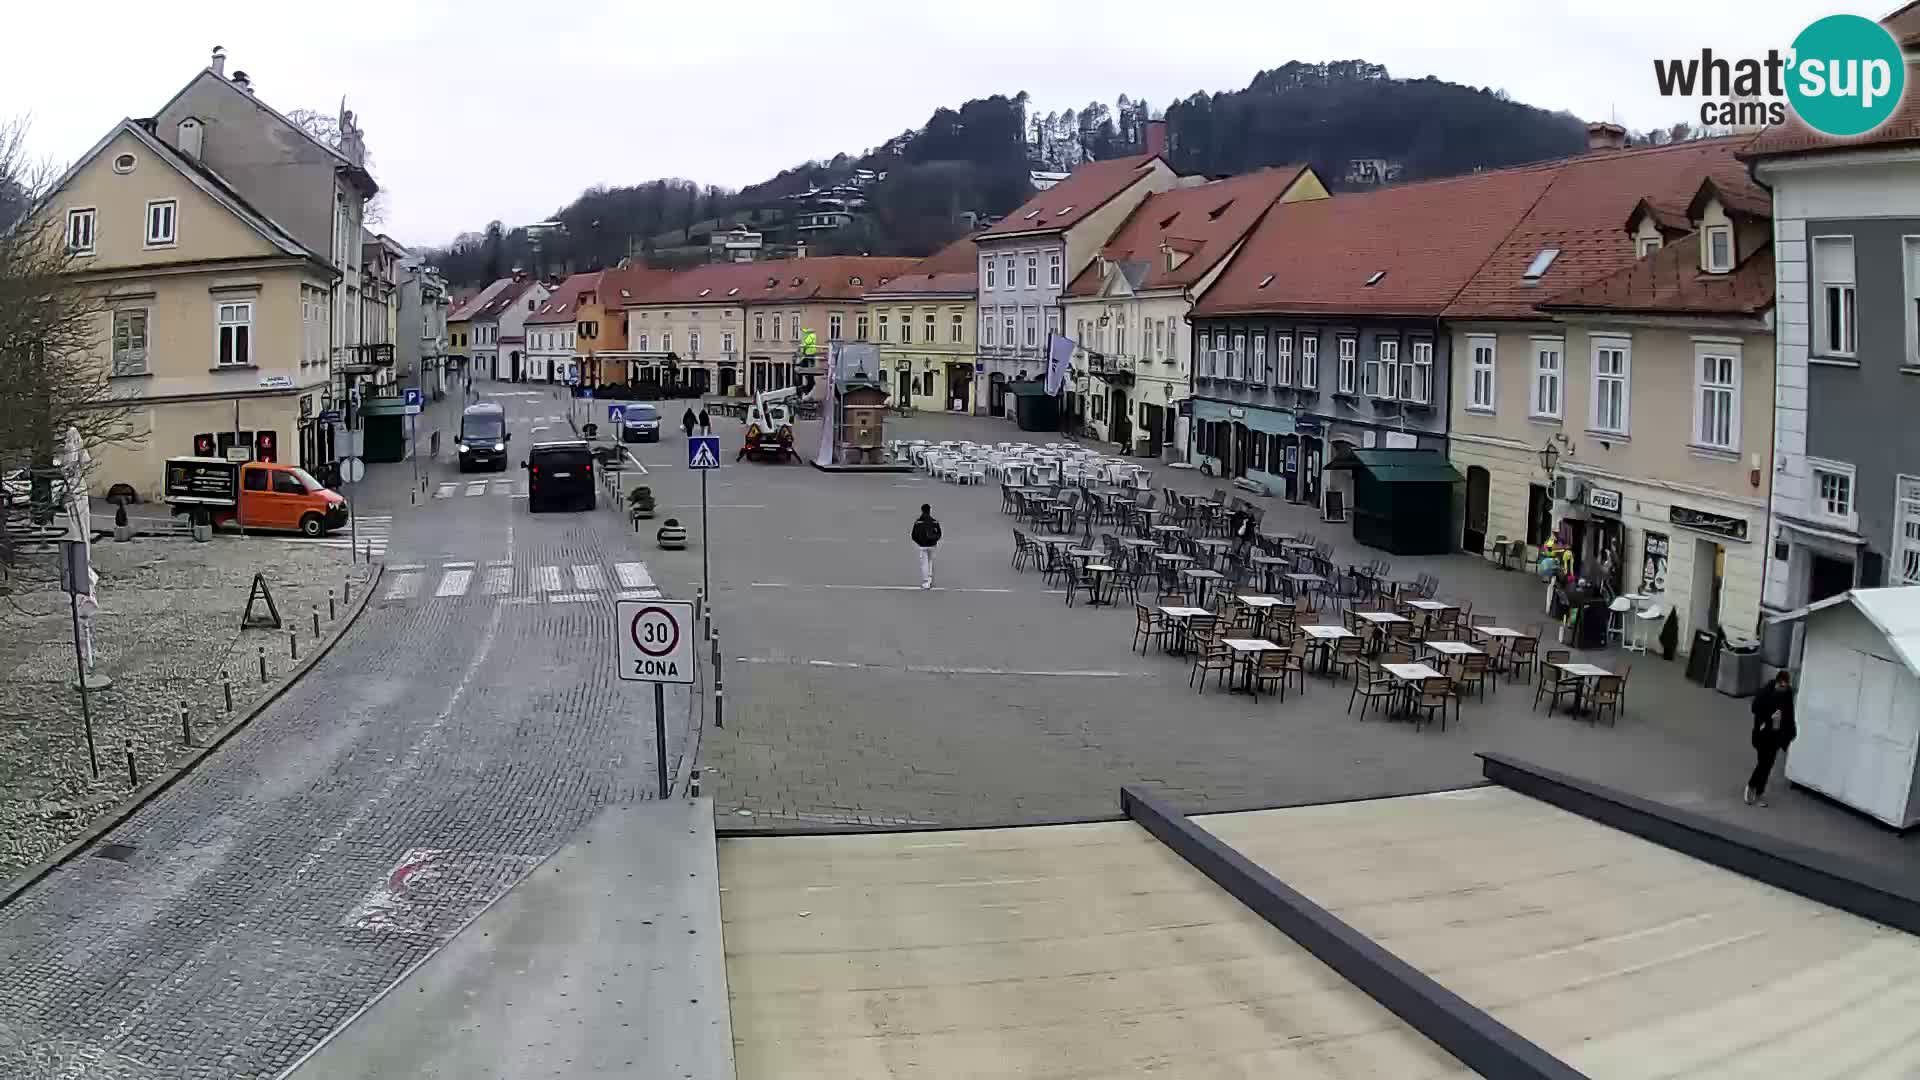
[616,414]
[703,452]
[655,639]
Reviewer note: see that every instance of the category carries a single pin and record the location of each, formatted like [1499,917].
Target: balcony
[366,359]
[1118,370]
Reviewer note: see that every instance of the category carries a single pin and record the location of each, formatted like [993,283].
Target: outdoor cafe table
[1432,605]
[1215,544]
[1246,654]
[1136,542]
[1499,638]
[1099,572]
[1172,558]
[1177,643]
[1410,674]
[1380,618]
[1169,530]
[1262,605]
[1323,638]
[1084,553]
[1450,649]
[1267,563]
[1586,673]
[1204,577]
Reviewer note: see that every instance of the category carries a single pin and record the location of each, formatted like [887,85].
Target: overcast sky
[482,110]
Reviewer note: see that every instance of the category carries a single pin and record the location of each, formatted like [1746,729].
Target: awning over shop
[1399,466]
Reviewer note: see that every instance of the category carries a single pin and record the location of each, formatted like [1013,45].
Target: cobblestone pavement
[855,698]
[168,626]
[444,747]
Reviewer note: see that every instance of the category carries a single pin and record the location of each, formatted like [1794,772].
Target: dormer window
[1537,269]
[1719,242]
[1645,246]
[854,280]
[1214,214]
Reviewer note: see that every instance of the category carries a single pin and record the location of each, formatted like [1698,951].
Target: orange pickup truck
[257,494]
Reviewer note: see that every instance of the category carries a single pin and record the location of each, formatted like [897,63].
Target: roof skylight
[1538,267]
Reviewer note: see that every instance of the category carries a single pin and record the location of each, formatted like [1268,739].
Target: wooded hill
[1355,123]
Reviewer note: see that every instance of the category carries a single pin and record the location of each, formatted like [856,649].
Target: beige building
[1650,393]
[824,295]
[1126,311]
[923,322]
[216,320]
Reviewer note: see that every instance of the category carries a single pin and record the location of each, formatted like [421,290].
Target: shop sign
[1653,569]
[306,406]
[1606,499]
[1686,517]
[1306,425]
[1235,412]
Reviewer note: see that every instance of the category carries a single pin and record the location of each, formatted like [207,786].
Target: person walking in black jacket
[687,421]
[1773,731]
[926,536]
[706,424]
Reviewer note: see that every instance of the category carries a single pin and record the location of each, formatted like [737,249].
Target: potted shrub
[640,503]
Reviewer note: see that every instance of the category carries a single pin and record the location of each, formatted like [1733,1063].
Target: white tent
[1858,702]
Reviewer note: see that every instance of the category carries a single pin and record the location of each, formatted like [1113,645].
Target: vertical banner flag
[829,406]
[1059,357]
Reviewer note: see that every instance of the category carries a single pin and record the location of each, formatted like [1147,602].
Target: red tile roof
[1315,257]
[1066,203]
[953,269]
[1581,212]
[477,299]
[620,286]
[1204,222]
[833,277]
[1670,282]
[1795,137]
[497,304]
[564,303]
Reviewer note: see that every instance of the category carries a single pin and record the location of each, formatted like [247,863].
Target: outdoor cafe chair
[1278,665]
[1472,671]
[1346,656]
[1149,626]
[1210,655]
[1373,686]
[1555,684]
[1433,696]
[1605,696]
[1522,656]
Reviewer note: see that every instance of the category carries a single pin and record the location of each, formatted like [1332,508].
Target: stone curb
[127,807]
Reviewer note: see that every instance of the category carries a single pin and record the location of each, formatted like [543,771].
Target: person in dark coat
[688,421]
[706,425]
[1773,731]
[926,536]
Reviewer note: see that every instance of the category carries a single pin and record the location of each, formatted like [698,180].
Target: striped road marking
[587,578]
[444,491]
[404,587]
[454,583]
[476,487]
[499,581]
[633,575]
[547,579]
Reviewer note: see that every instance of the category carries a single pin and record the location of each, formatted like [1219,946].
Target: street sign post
[655,639]
[616,415]
[703,456]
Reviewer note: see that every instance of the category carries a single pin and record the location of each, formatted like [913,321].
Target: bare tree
[327,129]
[54,371]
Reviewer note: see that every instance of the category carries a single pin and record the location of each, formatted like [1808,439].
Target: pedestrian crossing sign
[703,452]
[616,414]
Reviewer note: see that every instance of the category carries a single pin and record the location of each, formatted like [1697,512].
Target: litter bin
[1702,658]
[1740,664]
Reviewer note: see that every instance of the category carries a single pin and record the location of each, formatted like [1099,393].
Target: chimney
[800,250]
[245,84]
[1156,137]
[1602,135]
[219,64]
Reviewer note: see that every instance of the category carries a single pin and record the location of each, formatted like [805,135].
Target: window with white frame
[1416,379]
[1006,326]
[1383,369]
[235,322]
[130,341]
[161,214]
[759,328]
[726,343]
[1832,487]
[693,342]
[1206,358]
[1237,359]
[931,324]
[1716,410]
[1906,530]
[1480,369]
[1646,245]
[833,326]
[1283,360]
[80,231]
[1349,350]
[958,329]
[1033,330]
[1910,250]
[666,341]
[906,327]
[795,327]
[886,327]
[1309,360]
[1258,373]
[1719,248]
[1053,268]
[1120,339]
[1033,269]
[640,343]
[986,330]
[1053,322]
[1833,284]
[987,269]
[1173,341]
[1612,372]
[1548,360]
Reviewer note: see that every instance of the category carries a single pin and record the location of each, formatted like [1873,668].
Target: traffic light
[265,447]
[203,445]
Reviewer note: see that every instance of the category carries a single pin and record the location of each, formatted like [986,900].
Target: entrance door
[1310,461]
[1478,484]
[1539,514]
[1709,566]
[1827,577]
[1290,465]
[1242,449]
[997,395]
[959,388]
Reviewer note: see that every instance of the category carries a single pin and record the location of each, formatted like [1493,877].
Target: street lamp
[1549,457]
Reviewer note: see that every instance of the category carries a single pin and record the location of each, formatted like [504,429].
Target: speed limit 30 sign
[656,640]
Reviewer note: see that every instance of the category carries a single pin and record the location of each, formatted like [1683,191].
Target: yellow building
[924,322]
[216,319]
[825,295]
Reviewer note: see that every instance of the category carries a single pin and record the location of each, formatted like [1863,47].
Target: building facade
[822,295]
[1126,311]
[1026,260]
[686,328]
[1846,453]
[554,332]
[214,320]
[1667,393]
[422,342]
[923,322]
[476,337]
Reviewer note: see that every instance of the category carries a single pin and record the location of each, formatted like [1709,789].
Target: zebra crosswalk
[569,584]
[372,532]
[499,486]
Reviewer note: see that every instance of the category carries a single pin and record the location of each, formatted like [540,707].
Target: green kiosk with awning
[1402,499]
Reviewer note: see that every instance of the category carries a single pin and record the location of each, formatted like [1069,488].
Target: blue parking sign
[410,395]
[703,452]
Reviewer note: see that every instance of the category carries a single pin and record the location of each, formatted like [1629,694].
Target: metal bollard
[316,622]
[699,603]
[263,665]
[346,591]
[186,726]
[133,767]
[226,685]
[693,789]
[332,614]
[719,709]
[293,645]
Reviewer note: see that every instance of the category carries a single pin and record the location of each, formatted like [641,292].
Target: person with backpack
[926,536]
